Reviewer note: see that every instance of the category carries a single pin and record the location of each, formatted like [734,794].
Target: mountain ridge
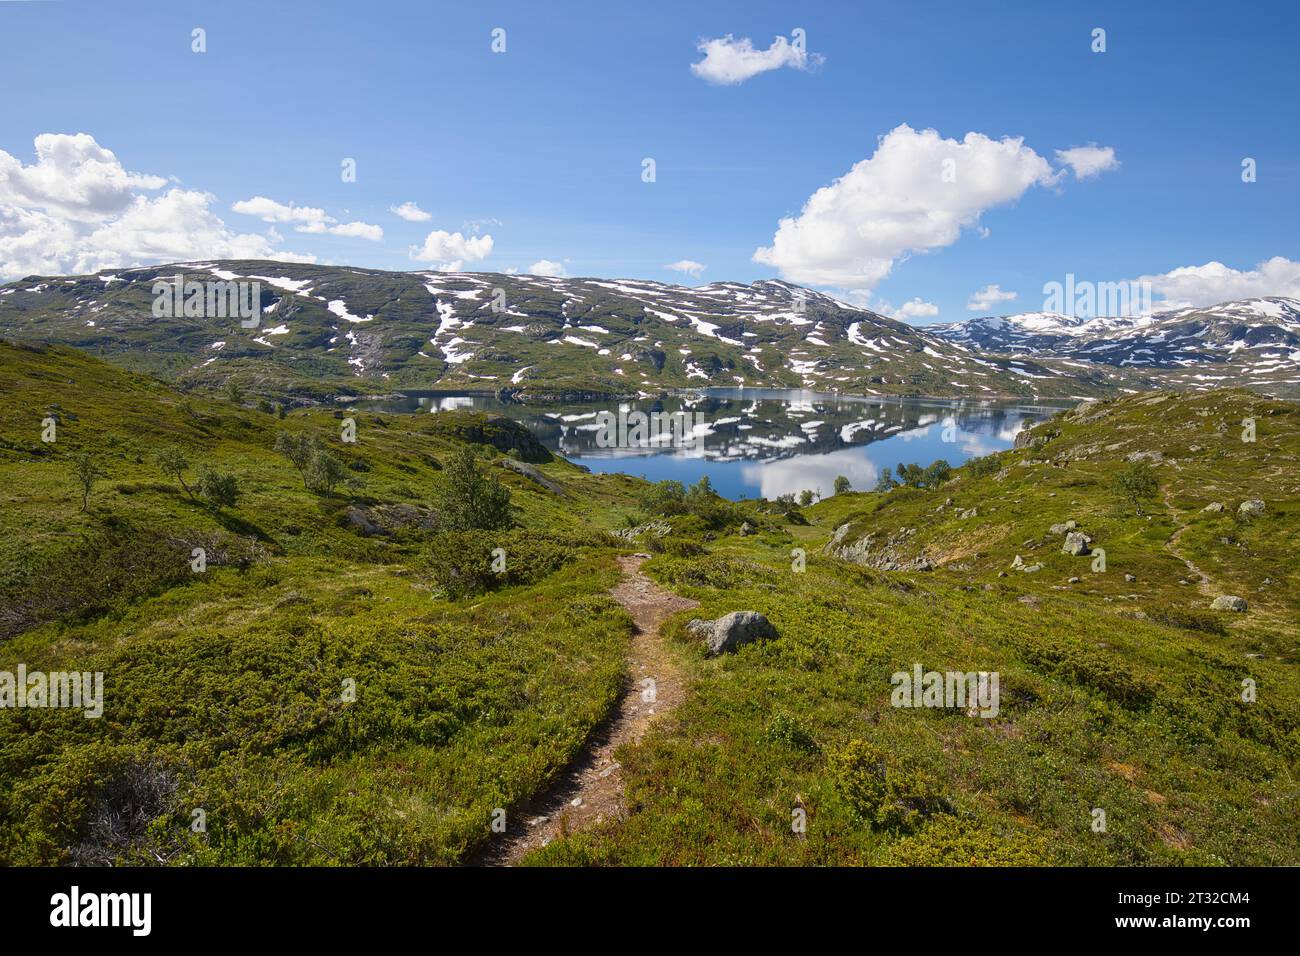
[329,332]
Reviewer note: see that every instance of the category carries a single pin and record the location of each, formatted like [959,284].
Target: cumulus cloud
[917,308]
[360,230]
[688,266]
[410,212]
[917,192]
[73,178]
[1088,161]
[451,250]
[77,210]
[547,267]
[1214,282]
[307,219]
[987,297]
[268,210]
[728,61]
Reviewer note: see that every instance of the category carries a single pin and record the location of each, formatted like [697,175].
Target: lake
[757,441]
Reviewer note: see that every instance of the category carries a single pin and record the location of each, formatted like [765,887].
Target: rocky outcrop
[887,557]
[368,521]
[1228,602]
[504,434]
[1251,508]
[534,475]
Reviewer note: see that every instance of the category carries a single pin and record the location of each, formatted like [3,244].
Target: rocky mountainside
[1253,343]
[326,331]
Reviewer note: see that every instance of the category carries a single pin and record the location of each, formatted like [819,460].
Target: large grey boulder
[1076,542]
[1229,602]
[1214,507]
[1250,508]
[731,630]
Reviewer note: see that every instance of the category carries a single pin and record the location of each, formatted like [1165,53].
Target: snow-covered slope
[1253,342]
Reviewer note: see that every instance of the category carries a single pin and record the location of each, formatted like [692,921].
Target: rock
[1063,528]
[1228,602]
[1073,581]
[1076,542]
[1130,578]
[1214,507]
[533,475]
[1018,562]
[1251,507]
[887,557]
[731,630]
[1151,456]
[1031,568]
[746,530]
[359,520]
[1002,574]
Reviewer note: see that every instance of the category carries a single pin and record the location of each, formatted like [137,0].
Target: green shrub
[947,840]
[878,791]
[1092,669]
[665,498]
[464,563]
[984,466]
[715,571]
[680,547]
[460,562]
[325,472]
[789,732]
[1188,619]
[1136,484]
[218,488]
[466,500]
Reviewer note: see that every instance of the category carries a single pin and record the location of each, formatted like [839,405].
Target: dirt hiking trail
[590,789]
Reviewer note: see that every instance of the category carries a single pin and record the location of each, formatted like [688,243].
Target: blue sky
[541,146]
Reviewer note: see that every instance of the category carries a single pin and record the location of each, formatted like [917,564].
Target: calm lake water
[765,442]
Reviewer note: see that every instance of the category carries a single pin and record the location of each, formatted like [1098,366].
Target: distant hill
[1253,343]
[328,331]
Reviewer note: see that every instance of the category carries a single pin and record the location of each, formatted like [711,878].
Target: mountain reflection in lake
[769,442]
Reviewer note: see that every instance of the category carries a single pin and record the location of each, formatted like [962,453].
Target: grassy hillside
[320,694]
[224,690]
[1120,695]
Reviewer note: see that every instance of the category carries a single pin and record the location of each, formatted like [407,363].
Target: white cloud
[987,297]
[76,210]
[268,210]
[360,230]
[450,250]
[307,219]
[547,267]
[1088,161]
[728,61]
[1214,282]
[73,178]
[689,266]
[917,309]
[410,212]
[849,233]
